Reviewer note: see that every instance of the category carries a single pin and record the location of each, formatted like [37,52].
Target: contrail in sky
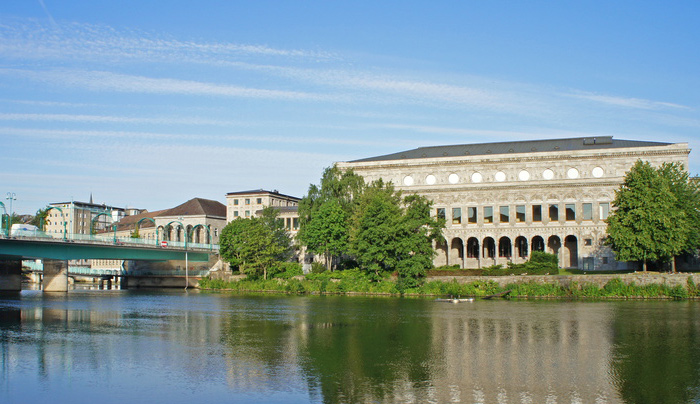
[46,10]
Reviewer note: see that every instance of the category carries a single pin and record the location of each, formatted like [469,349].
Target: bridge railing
[105,239]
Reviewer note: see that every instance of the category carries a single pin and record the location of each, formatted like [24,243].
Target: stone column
[10,275]
[55,276]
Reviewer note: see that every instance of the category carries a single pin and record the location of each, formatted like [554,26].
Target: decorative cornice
[494,159]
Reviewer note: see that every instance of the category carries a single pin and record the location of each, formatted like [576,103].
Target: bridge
[56,251]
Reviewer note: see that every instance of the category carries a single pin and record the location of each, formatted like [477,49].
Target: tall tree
[326,233]
[654,215]
[254,245]
[687,196]
[341,188]
[417,232]
[375,227]
[391,233]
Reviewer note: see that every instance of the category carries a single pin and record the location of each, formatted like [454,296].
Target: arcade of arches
[472,252]
[196,234]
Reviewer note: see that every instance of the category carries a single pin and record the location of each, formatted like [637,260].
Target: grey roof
[527,146]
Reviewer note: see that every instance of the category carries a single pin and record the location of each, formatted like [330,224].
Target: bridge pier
[10,275]
[55,276]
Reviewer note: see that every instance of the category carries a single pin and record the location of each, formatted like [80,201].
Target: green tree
[655,215]
[319,216]
[375,227]
[270,219]
[254,245]
[326,232]
[687,197]
[417,232]
[39,218]
[390,234]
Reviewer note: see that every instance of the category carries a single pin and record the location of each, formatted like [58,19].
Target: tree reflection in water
[657,352]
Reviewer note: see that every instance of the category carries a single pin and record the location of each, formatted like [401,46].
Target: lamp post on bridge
[11,196]
[2,225]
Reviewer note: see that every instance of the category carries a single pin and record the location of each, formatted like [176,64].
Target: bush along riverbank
[356,282]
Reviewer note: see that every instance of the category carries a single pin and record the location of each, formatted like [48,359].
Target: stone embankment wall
[638,278]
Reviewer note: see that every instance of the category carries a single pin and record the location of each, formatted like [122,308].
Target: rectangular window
[289,223]
[587,241]
[604,210]
[505,214]
[235,201]
[456,215]
[553,212]
[258,201]
[247,201]
[440,212]
[570,211]
[296,223]
[247,213]
[471,213]
[520,213]
[587,211]
[588,263]
[235,214]
[536,213]
[488,214]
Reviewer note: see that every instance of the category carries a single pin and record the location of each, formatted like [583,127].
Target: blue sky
[150,103]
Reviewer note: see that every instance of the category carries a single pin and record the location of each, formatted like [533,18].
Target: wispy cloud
[107,81]
[140,137]
[170,120]
[626,102]
[29,39]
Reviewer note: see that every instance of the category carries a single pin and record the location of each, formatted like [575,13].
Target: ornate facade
[503,200]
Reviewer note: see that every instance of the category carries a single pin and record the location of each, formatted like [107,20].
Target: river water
[186,347]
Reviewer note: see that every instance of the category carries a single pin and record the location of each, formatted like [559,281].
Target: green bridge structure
[56,252]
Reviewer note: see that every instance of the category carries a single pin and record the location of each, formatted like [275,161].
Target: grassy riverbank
[356,282]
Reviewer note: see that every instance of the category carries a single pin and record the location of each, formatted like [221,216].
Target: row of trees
[371,224]
[657,215]
[346,221]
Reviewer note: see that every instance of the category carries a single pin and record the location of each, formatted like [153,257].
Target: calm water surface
[175,347]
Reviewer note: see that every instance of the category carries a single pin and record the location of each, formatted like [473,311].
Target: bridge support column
[55,276]
[10,275]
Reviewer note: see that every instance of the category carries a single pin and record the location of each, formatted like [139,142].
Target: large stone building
[503,200]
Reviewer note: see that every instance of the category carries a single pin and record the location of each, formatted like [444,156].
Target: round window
[598,172]
[500,176]
[572,173]
[524,175]
[453,178]
[477,177]
[548,174]
[408,180]
[430,179]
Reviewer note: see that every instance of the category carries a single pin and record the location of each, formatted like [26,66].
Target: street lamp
[11,196]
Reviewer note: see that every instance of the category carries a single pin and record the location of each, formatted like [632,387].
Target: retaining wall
[639,278]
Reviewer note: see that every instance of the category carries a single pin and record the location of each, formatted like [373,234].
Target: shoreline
[560,287]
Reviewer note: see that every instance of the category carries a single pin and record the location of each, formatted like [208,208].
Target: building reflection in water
[347,349]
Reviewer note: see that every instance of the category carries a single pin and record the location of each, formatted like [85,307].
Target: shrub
[317,267]
[286,270]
